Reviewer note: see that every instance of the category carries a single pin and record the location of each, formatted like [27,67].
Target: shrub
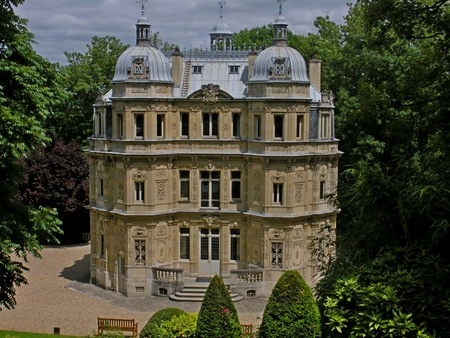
[150,329]
[291,310]
[218,316]
[182,326]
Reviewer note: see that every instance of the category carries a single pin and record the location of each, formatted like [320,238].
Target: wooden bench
[117,324]
[247,330]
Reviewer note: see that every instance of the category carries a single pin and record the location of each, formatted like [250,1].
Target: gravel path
[58,294]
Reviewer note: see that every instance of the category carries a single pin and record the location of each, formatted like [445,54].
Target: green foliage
[86,76]
[218,316]
[182,326]
[291,310]
[17,334]
[29,89]
[56,176]
[151,329]
[398,294]
[392,113]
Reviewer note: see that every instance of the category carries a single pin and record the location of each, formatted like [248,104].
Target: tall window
[236,185]
[102,245]
[184,184]
[100,124]
[210,124]
[235,244]
[120,125]
[210,189]
[184,243]
[278,193]
[278,127]
[139,126]
[324,126]
[322,189]
[160,125]
[258,126]
[139,191]
[184,125]
[299,132]
[236,125]
[101,188]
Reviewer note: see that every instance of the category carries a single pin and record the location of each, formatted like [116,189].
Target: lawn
[14,334]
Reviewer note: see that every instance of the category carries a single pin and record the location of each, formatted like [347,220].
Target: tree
[291,310]
[29,88]
[152,328]
[57,176]
[86,76]
[392,118]
[218,316]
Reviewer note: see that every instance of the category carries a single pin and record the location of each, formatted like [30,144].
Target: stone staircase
[194,292]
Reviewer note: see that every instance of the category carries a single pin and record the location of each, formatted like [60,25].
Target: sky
[69,25]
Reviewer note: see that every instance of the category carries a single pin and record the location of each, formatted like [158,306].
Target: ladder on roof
[186,77]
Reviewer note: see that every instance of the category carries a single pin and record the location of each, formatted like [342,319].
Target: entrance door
[209,252]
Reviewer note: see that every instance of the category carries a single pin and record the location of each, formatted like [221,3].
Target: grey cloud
[67,25]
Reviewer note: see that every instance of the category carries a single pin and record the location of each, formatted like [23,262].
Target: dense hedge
[150,329]
[291,310]
[218,316]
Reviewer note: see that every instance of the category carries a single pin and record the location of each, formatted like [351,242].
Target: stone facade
[188,179]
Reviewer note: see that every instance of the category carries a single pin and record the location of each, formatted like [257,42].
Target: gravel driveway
[58,294]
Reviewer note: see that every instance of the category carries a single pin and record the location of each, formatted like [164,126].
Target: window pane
[204,249]
[235,250]
[184,189]
[184,124]
[235,174]
[206,124]
[215,174]
[215,124]
[215,190]
[139,125]
[236,190]
[204,191]
[184,247]
[215,241]
[236,125]
[278,126]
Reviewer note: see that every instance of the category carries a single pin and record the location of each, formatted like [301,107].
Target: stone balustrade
[168,275]
[246,276]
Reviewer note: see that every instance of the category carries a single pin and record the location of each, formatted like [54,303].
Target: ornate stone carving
[161,191]
[298,192]
[210,219]
[278,178]
[140,176]
[276,234]
[210,93]
[138,70]
[280,70]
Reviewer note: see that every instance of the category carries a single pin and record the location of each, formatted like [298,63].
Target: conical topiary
[291,310]
[217,316]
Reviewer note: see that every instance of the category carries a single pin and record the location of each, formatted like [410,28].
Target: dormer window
[197,69]
[233,69]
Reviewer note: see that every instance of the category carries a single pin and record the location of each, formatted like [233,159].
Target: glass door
[209,252]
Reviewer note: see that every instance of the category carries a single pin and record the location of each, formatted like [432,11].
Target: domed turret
[143,62]
[280,62]
[221,35]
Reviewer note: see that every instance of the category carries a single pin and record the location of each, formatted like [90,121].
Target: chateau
[210,162]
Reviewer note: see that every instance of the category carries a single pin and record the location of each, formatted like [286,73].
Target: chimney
[251,60]
[177,67]
[315,72]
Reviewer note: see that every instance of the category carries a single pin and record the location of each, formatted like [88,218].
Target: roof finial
[142,2]
[281,6]
[221,5]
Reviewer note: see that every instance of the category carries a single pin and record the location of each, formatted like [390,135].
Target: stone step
[196,293]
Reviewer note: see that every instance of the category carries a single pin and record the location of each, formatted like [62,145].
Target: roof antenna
[142,2]
[221,5]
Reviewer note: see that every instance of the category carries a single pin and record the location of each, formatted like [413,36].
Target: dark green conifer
[291,310]
[218,316]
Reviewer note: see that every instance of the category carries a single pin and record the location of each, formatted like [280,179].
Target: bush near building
[151,329]
[291,310]
[218,316]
